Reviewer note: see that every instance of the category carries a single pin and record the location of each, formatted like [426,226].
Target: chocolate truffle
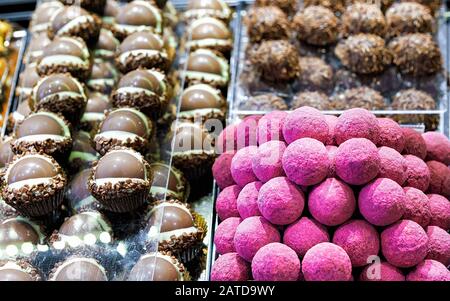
[160,266]
[316,25]
[364,54]
[27,80]
[276,61]
[96,106]
[288,6]
[363,97]
[142,49]
[78,269]
[40,20]
[107,45]
[168,182]
[267,23]
[315,75]
[17,231]
[34,184]
[209,33]
[409,17]
[65,54]
[334,5]
[78,195]
[82,154]
[207,66]
[36,47]
[76,22]
[18,270]
[264,102]
[121,180]
[96,6]
[6,152]
[103,77]
[207,8]
[202,102]
[363,18]
[416,54]
[123,127]
[317,100]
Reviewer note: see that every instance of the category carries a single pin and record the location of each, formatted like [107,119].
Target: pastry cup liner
[76,70]
[88,31]
[25,266]
[142,60]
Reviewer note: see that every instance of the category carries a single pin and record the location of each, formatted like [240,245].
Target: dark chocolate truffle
[317,100]
[315,75]
[27,80]
[362,97]
[168,182]
[18,270]
[209,33]
[409,17]
[207,8]
[288,6]
[17,231]
[264,102]
[103,77]
[158,267]
[107,45]
[267,23]
[78,269]
[202,101]
[40,20]
[207,66]
[6,153]
[82,154]
[96,6]
[334,5]
[363,18]
[96,106]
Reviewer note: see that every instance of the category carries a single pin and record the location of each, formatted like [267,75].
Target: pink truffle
[429,270]
[247,201]
[356,123]
[221,170]
[438,147]
[241,166]
[331,202]
[440,211]
[417,173]
[326,262]
[404,244]
[414,143]
[275,262]
[381,271]
[331,121]
[252,234]
[305,122]
[392,165]
[227,139]
[305,162]
[305,234]
[416,206]
[439,178]
[224,235]
[230,267]
[381,202]
[332,150]
[280,201]
[247,131]
[266,163]
[270,127]
[391,134]
[438,245]
[357,161]
[226,203]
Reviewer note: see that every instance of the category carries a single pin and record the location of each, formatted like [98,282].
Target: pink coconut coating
[332,150]
[438,245]
[305,122]
[382,271]
[417,173]
[247,131]
[381,202]
[305,234]
[404,244]
[221,170]
[414,143]
[270,127]
[227,139]
[439,178]
[241,166]
[359,239]
[416,206]
[224,235]
[226,203]
[391,134]
[326,262]
[429,270]
[357,161]
[280,201]
[305,162]
[247,201]
[331,121]
[267,163]
[230,267]
[252,234]
[438,147]
[275,262]
[393,165]
[331,202]
[356,123]
[440,211]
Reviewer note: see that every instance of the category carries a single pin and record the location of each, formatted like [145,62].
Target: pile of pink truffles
[310,197]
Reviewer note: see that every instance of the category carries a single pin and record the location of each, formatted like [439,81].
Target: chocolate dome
[85,223]
[16,232]
[209,28]
[31,167]
[120,164]
[202,62]
[56,83]
[191,137]
[65,15]
[66,46]
[107,41]
[97,103]
[137,13]
[103,70]
[78,187]
[13,274]
[141,79]
[200,97]
[160,174]
[174,217]
[43,13]
[39,124]
[205,4]
[141,40]
[125,120]
[6,153]
[29,77]
[79,269]
[154,267]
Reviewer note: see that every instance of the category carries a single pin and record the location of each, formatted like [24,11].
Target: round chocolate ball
[363,18]
[267,23]
[120,164]
[170,180]
[200,97]
[55,84]
[155,267]
[409,17]
[334,5]
[125,120]
[137,15]
[210,33]
[191,137]
[141,79]
[42,14]
[40,124]
[204,63]
[78,195]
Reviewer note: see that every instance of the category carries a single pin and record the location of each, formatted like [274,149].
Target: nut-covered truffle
[288,6]
[264,102]
[316,25]
[362,97]
[316,74]
[267,23]
[363,18]
[334,5]
[317,100]
[409,17]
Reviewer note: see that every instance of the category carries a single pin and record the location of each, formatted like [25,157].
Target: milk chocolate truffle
[416,54]
[103,77]
[264,102]
[107,45]
[146,90]
[96,6]
[40,20]
[315,75]
[76,22]
[36,47]
[168,182]
[209,33]
[202,102]
[96,107]
[362,97]
[316,25]
[18,231]
[276,61]
[364,54]
[27,80]
[363,18]
[78,268]
[267,23]
[121,180]
[78,195]
[137,16]
[43,132]
[65,54]
[123,127]
[82,154]
[334,5]
[142,49]
[208,67]
[207,8]
[288,6]
[18,270]
[33,184]
[6,152]
[317,100]
[160,266]
[409,17]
